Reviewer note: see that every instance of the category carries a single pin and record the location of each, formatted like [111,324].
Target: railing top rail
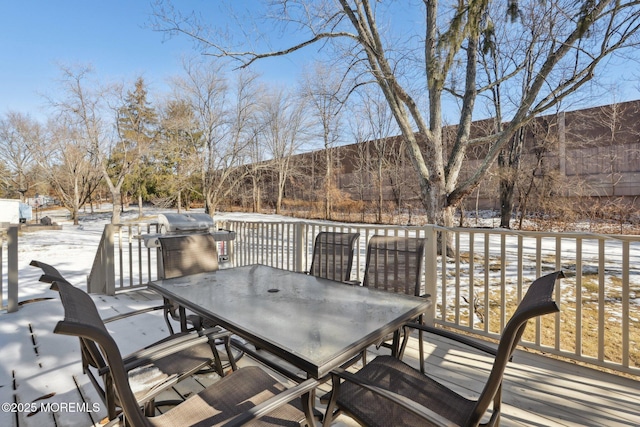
[561,234]
[476,230]
[331,224]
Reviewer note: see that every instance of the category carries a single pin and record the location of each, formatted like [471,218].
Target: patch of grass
[570,326]
[590,284]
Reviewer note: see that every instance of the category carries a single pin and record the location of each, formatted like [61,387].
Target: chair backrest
[333,255]
[81,319]
[190,254]
[394,264]
[51,274]
[90,353]
[537,301]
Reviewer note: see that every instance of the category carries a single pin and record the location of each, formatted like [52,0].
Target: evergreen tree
[137,128]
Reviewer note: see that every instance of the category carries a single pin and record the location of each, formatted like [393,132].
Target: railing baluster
[456,288]
[625,303]
[472,267]
[503,279]
[578,291]
[601,299]
[487,276]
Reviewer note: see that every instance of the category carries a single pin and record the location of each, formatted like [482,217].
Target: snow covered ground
[73,249]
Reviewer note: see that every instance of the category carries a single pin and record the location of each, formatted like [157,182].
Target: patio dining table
[313,323]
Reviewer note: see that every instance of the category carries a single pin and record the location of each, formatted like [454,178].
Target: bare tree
[65,160]
[325,93]
[282,127]
[579,35]
[374,126]
[255,172]
[616,152]
[224,121]
[18,134]
[84,105]
[537,180]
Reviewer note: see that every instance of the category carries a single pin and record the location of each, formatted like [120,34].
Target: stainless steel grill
[184,224]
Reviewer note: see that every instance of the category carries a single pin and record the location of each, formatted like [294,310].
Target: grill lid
[186,222]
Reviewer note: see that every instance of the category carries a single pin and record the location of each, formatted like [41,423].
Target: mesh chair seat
[145,379]
[229,397]
[396,376]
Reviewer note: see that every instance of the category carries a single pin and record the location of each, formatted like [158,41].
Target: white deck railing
[599,322]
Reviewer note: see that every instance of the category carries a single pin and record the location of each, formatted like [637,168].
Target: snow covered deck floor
[42,384]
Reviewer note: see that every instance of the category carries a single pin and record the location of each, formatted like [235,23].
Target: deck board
[538,390]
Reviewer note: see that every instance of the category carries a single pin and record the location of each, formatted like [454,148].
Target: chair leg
[216,358]
[421,344]
[421,351]
[167,315]
[109,390]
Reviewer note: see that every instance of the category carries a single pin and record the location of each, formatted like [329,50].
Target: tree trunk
[327,184]
[257,198]
[116,199]
[76,203]
[380,194]
[510,167]
[506,203]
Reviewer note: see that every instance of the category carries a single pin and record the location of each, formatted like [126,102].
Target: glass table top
[316,324]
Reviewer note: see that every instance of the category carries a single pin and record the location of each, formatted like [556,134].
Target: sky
[114,36]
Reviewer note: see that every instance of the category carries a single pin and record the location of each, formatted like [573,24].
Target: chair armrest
[275,402]
[168,347]
[134,313]
[164,348]
[455,337]
[414,407]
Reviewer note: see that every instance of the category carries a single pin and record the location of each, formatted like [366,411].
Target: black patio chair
[333,255]
[247,394]
[149,370]
[387,391]
[394,264]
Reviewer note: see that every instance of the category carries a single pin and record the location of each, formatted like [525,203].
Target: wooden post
[431,271]
[300,248]
[108,261]
[12,263]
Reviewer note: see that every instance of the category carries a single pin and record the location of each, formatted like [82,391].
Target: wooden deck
[42,384]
